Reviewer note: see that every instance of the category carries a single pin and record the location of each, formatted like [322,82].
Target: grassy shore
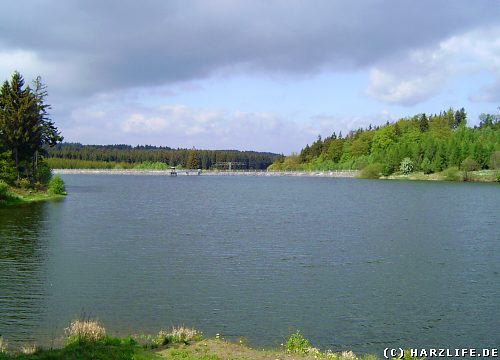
[20,196]
[87,339]
[11,195]
[449,175]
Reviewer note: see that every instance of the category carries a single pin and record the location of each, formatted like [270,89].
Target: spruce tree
[25,127]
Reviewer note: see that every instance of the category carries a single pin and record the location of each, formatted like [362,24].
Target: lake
[354,264]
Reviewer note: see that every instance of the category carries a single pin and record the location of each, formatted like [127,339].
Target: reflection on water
[23,251]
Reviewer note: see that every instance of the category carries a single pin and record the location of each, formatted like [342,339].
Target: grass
[81,331]
[17,196]
[86,339]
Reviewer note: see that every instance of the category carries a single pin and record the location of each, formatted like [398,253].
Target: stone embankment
[336,174]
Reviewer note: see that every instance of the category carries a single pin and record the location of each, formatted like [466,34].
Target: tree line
[73,155]
[26,131]
[431,143]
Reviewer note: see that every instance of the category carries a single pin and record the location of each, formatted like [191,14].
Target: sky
[264,75]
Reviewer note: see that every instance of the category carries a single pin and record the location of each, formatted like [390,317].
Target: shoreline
[332,174]
[481,176]
[35,196]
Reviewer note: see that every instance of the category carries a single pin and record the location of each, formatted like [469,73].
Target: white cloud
[417,75]
[138,123]
[395,88]
[178,125]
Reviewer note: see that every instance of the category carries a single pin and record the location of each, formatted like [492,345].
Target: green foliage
[452,174]
[186,355]
[372,171]
[107,349]
[63,163]
[25,128]
[430,142]
[469,164]
[43,173]
[406,166]
[4,191]
[78,156]
[495,160]
[150,165]
[290,163]
[423,123]
[7,169]
[384,138]
[296,343]
[193,160]
[23,183]
[56,186]
[426,166]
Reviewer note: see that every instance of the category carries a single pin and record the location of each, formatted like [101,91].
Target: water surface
[353,264]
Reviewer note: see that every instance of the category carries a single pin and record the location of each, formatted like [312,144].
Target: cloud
[417,75]
[119,44]
[106,62]
[178,125]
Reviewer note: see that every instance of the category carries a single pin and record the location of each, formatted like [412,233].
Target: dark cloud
[118,44]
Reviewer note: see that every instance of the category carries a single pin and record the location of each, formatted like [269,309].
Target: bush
[406,166]
[469,164]
[371,171]
[452,174]
[81,331]
[296,343]
[4,190]
[43,173]
[177,335]
[56,186]
[23,183]
[426,166]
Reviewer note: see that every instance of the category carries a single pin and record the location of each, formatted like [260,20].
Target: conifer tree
[25,127]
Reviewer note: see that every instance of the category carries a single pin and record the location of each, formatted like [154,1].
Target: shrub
[452,174]
[426,166]
[296,343]
[371,171]
[81,331]
[4,191]
[406,166]
[23,183]
[56,186]
[179,334]
[43,173]
[469,164]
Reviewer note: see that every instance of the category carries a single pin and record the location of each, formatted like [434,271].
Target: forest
[75,155]
[428,143]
